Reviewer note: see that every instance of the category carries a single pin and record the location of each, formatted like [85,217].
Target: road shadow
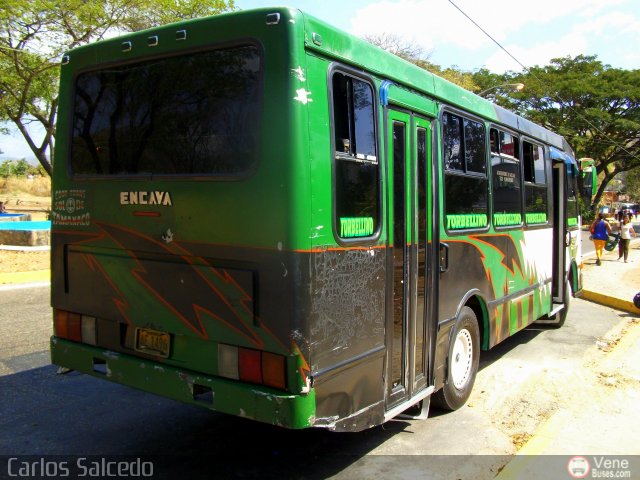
[528,334]
[43,413]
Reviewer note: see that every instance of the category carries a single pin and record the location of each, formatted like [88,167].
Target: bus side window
[572,200]
[535,184]
[493,138]
[465,173]
[506,180]
[356,170]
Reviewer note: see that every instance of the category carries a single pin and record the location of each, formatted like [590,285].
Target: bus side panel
[467,273]
[510,271]
[346,287]
[537,261]
[347,332]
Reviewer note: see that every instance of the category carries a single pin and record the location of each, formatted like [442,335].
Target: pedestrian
[600,230]
[2,209]
[626,232]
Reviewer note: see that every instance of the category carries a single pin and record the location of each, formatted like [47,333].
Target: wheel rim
[461,358]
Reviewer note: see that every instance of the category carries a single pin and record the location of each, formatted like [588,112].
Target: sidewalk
[15,279]
[594,429]
[614,283]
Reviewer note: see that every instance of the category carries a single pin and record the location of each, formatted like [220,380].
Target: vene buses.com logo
[578,467]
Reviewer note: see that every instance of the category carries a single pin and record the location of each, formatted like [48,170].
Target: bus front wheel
[462,362]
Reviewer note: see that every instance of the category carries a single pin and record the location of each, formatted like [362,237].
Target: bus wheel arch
[479,307]
[461,361]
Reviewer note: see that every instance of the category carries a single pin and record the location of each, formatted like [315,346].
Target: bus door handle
[444,257]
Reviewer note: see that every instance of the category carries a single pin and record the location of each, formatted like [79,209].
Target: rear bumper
[226,396]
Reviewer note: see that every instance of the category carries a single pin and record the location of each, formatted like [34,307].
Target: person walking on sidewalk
[626,232]
[600,230]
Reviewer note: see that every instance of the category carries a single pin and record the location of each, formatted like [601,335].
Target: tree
[34,34]
[632,184]
[594,106]
[415,54]
[394,43]
[15,168]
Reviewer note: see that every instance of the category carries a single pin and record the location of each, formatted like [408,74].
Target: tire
[462,362]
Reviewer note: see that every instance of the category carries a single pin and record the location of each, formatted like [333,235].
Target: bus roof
[333,42]
[327,40]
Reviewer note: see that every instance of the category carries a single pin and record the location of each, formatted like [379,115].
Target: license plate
[152,342]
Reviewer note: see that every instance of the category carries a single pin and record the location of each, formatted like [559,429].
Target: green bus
[589,177]
[270,218]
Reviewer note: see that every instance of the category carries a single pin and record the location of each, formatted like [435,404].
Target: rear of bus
[179,192]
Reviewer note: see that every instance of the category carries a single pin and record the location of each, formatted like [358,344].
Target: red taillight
[252,366]
[67,325]
[249,365]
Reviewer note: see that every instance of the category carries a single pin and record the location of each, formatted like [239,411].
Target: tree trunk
[39,152]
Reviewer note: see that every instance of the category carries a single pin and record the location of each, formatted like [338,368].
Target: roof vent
[273,19]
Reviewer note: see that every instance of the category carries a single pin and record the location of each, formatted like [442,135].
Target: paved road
[42,413]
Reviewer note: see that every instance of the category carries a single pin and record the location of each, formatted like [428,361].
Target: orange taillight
[67,325]
[273,370]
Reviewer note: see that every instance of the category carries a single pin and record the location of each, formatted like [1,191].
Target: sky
[533,32]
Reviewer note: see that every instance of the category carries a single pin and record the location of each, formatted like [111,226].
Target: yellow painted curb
[549,430]
[613,302]
[537,445]
[25,277]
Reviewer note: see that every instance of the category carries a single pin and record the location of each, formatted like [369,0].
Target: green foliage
[454,75]
[632,184]
[19,168]
[596,107]
[34,34]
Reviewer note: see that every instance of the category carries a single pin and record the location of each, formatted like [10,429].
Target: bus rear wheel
[462,362]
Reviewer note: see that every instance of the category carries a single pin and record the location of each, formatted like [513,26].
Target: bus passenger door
[559,234]
[409,226]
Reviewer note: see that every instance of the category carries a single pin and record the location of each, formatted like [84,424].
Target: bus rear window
[196,114]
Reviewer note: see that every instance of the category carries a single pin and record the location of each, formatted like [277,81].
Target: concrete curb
[525,463]
[608,301]
[35,276]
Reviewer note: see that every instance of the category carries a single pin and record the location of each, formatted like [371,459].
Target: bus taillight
[73,326]
[273,370]
[67,325]
[253,366]
[249,365]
